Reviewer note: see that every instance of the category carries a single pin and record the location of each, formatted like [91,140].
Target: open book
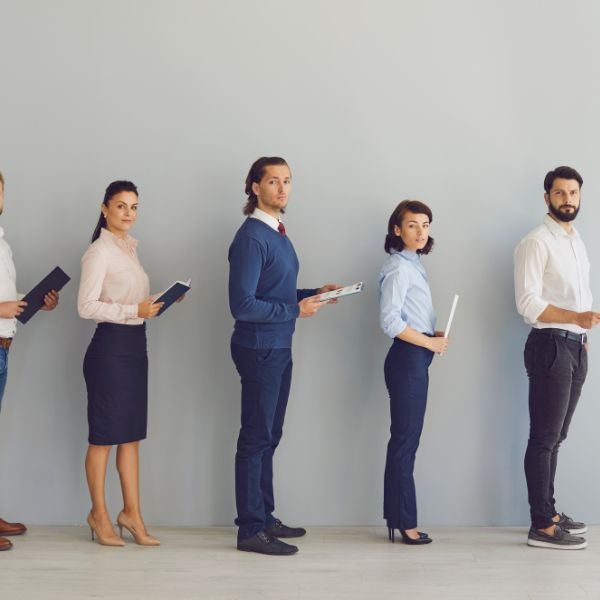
[173,293]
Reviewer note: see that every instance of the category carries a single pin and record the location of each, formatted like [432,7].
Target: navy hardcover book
[170,295]
[56,280]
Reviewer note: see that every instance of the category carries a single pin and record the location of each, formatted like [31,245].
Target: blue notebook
[174,292]
[55,280]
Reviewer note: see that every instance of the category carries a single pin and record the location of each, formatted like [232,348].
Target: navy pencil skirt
[115,368]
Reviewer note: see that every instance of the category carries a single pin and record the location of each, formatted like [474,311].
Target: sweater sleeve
[246,259]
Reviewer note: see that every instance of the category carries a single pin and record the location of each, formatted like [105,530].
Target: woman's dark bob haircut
[393,241]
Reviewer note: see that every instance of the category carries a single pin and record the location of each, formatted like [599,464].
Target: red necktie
[281,228]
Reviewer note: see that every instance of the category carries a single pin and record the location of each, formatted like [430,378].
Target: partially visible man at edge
[10,308]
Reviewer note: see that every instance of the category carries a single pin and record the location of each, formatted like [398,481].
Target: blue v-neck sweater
[263,298]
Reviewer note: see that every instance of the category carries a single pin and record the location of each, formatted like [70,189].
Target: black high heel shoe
[423,538]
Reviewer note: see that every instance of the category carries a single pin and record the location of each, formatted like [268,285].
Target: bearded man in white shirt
[553,295]
[10,308]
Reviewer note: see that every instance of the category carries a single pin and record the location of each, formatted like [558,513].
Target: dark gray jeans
[556,368]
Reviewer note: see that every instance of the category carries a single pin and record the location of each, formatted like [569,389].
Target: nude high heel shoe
[115,541]
[143,539]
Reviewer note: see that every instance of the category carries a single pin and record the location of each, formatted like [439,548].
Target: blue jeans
[3,372]
[266,375]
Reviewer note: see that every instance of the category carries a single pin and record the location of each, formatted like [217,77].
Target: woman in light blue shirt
[406,315]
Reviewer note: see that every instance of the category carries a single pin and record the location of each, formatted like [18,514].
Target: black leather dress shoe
[263,543]
[278,529]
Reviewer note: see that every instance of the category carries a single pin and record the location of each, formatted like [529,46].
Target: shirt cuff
[131,311]
[394,329]
[534,309]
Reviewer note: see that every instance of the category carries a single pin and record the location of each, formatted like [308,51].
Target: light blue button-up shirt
[405,297]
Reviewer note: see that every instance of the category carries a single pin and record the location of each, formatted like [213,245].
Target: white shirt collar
[1,232]
[557,230]
[261,215]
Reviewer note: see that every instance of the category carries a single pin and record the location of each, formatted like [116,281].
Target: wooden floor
[61,563]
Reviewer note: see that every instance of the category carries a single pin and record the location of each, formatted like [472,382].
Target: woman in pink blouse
[114,291]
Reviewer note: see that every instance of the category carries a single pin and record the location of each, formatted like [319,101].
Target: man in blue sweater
[265,304]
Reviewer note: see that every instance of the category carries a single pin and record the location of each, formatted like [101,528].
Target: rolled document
[452,310]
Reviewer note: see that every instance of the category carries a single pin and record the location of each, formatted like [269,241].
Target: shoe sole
[268,553]
[540,544]
[6,548]
[416,543]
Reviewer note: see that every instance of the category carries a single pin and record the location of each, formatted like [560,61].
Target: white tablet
[355,288]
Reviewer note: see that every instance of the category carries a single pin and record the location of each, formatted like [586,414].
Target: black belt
[580,338]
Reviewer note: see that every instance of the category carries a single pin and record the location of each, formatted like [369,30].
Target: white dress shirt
[261,215]
[552,267]
[8,288]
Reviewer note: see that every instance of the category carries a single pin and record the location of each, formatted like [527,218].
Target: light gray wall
[462,104]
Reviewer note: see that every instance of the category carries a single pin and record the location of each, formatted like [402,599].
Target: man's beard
[565,217]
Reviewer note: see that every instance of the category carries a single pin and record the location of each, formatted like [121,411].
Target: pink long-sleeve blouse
[113,281]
